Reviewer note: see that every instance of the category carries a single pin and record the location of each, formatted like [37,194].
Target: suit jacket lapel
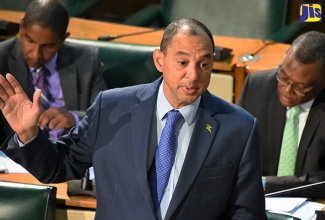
[18,67]
[141,123]
[198,149]
[68,78]
[314,117]
[276,119]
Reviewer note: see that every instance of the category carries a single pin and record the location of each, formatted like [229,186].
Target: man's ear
[21,24]
[158,58]
[66,35]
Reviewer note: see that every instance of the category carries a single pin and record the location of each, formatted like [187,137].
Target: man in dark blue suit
[216,171]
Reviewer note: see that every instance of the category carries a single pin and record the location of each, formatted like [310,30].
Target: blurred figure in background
[69,75]
[289,103]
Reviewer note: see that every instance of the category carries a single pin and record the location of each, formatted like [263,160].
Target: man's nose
[37,52]
[289,88]
[193,72]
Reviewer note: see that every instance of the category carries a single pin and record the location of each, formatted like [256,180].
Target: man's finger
[13,85]
[37,100]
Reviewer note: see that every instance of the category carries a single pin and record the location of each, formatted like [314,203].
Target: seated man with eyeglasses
[293,147]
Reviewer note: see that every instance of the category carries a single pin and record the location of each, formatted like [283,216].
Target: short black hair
[192,26]
[309,48]
[50,14]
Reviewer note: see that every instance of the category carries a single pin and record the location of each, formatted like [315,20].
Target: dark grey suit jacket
[260,98]
[79,69]
[220,178]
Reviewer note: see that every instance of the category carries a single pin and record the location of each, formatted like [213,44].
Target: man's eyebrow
[207,55]
[27,35]
[287,78]
[181,53]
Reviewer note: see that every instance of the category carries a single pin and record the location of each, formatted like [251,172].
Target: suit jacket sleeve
[60,161]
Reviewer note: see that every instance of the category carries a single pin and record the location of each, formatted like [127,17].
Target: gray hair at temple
[189,25]
[309,48]
[50,14]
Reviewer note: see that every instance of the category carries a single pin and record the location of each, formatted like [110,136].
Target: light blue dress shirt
[184,132]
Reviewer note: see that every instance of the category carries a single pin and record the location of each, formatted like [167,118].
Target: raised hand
[19,111]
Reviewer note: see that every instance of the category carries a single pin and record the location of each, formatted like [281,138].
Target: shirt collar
[163,106]
[307,105]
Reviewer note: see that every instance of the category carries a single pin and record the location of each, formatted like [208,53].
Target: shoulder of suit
[270,73]
[8,44]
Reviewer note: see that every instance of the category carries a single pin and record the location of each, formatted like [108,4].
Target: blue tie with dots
[164,157]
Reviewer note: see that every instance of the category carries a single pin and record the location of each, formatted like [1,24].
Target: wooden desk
[62,191]
[82,28]
[271,55]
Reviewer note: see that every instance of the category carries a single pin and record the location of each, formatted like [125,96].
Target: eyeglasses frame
[293,85]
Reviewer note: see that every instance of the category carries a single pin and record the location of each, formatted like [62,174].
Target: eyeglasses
[294,86]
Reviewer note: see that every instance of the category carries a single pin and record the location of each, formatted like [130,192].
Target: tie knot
[295,111]
[41,71]
[173,116]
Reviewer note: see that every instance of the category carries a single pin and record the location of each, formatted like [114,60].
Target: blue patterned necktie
[164,157]
[43,84]
[289,146]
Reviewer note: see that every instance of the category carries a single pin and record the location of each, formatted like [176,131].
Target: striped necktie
[42,83]
[289,146]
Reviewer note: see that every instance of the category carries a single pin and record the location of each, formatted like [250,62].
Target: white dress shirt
[302,116]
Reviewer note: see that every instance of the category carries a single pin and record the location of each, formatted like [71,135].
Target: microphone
[308,186]
[248,57]
[86,182]
[114,36]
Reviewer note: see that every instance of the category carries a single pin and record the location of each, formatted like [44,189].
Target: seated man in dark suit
[163,150]
[74,72]
[273,96]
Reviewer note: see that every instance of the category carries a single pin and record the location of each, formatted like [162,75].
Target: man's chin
[286,102]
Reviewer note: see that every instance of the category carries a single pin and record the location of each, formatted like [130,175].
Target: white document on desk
[3,167]
[9,166]
[295,206]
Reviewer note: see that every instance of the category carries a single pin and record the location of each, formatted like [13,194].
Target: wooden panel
[74,214]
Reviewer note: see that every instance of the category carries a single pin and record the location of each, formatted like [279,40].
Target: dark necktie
[43,84]
[164,157]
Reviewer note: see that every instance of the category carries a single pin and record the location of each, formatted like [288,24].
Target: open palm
[19,111]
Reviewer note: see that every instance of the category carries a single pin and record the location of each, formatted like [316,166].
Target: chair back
[27,201]
[124,64]
[238,18]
